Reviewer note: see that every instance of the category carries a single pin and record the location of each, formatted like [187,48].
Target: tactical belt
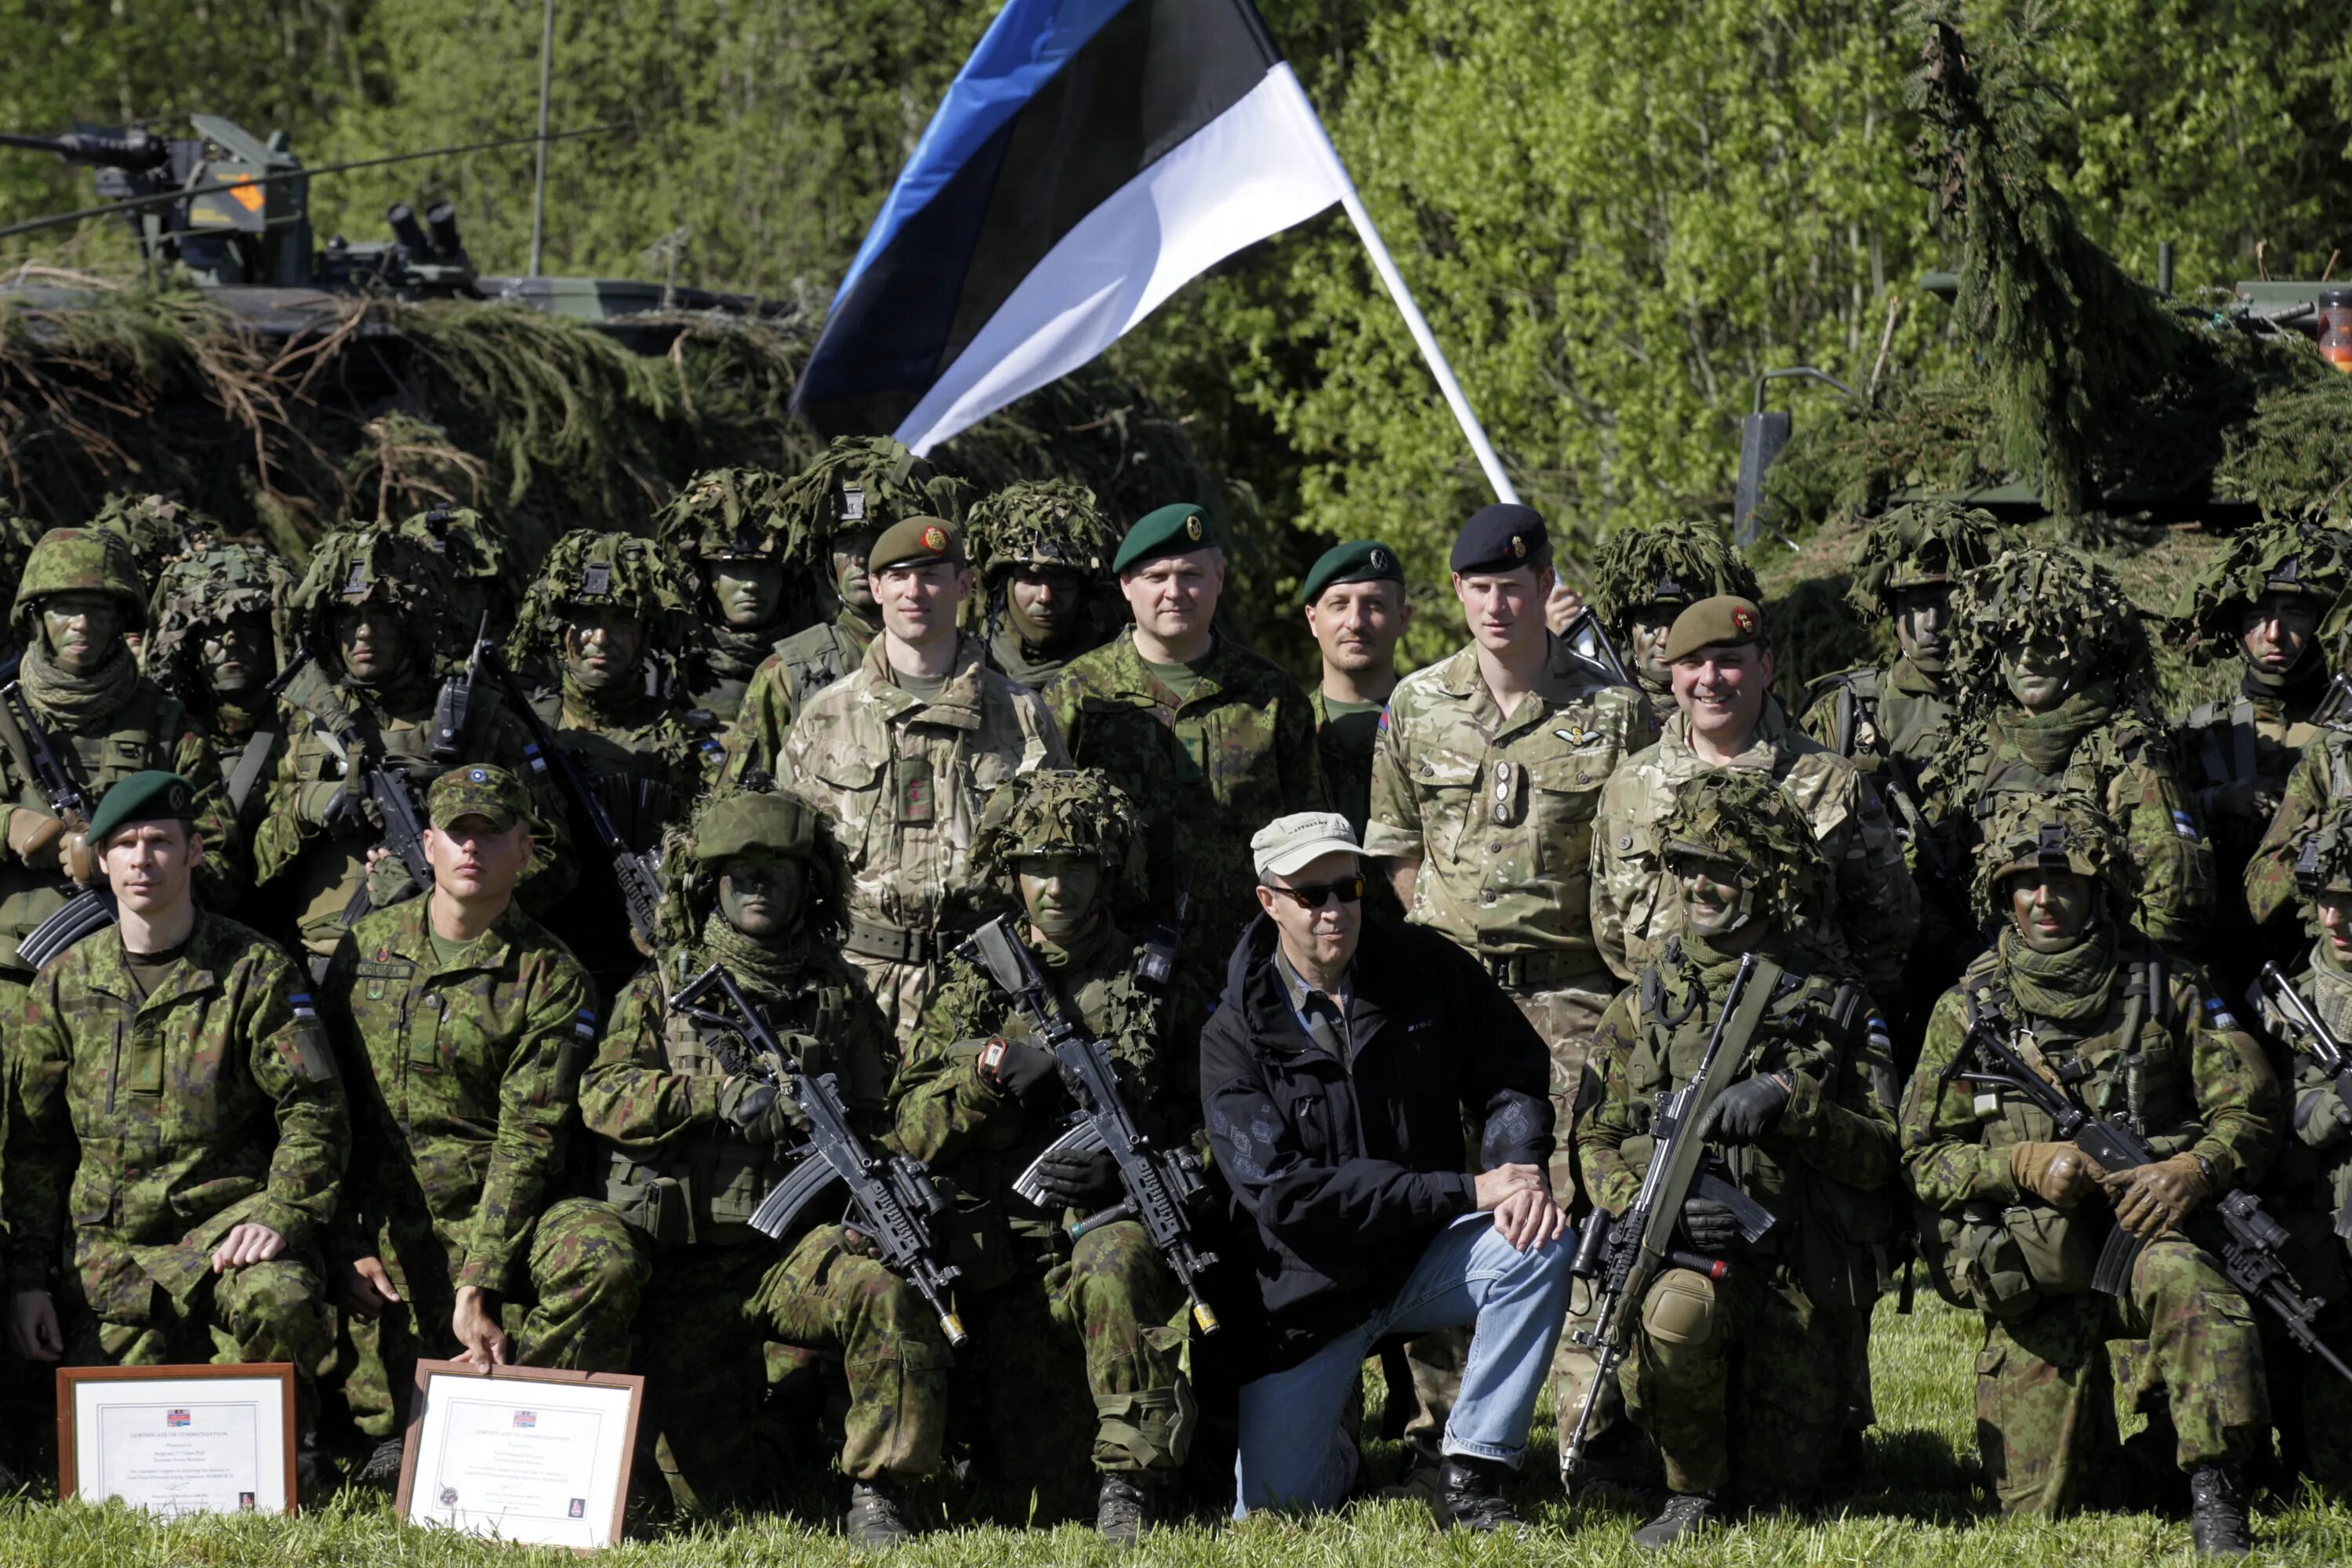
[902,944]
[1552,969]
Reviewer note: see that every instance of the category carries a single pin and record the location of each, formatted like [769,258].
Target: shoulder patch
[2184,825]
[2218,1014]
[306,1050]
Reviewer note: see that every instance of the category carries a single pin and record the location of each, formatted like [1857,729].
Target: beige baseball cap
[1286,843]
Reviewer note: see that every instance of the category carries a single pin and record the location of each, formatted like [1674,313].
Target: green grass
[1916,1504]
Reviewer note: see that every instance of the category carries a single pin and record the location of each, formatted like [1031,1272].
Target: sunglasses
[1350,889]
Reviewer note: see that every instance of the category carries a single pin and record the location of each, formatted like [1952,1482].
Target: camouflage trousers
[2046,1398]
[1566,1020]
[272,1311]
[586,1273]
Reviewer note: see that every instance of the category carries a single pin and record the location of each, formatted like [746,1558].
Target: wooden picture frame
[216,1425]
[550,1451]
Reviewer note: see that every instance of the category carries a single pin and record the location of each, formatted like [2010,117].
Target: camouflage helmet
[1040,522]
[376,563]
[723,512]
[1741,816]
[757,814]
[1075,812]
[231,577]
[474,547]
[78,560]
[1668,563]
[158,528]
[1912,546]
[861,481]
[2064,829]
[2299,555]
[2323,861]
[755,821]
[2052,594]
[615,571]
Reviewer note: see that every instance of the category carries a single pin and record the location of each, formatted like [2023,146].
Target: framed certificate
[178,1439]
[520,1453]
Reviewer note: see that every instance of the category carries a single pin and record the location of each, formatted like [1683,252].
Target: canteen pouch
[1974,1263]
[2059,1250]
[656,1204]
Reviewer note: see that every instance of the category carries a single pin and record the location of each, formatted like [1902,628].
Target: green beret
[477,789]
[915,542]
[756,822]
[151,796]
[1725,621]
[1357,561]
[1177,529]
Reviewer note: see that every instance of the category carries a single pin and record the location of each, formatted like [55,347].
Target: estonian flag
[1091,156]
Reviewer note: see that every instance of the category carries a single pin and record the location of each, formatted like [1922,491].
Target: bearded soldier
[980,1098]
[690,1138]
[1644,577]
[1043,553]
[2013,1219]
[728,536]
[1741,1381]
[220,632]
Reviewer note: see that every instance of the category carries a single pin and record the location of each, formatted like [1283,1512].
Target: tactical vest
[2232,748]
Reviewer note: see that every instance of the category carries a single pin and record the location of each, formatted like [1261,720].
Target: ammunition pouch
[709,1195]
[2005,1261]
[1147,1431]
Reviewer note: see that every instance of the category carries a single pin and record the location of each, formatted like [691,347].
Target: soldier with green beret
[1209,739]
[1644,577]
[727,531]
[1356,605]
[689,1144]
[1740,1380]
[176,1126]
[1044,550]
[1080,1395]
[2013,1219]
[463,1028]
[220,630]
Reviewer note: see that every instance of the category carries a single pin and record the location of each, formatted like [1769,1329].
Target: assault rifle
[2315,1039]
[893,1198]
[93,908]
[1163,1185]
[395,808]
[1630,1253]
[2234,1230]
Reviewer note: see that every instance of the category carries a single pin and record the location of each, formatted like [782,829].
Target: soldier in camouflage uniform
[901,758]
[1044,551]
[608,623]
[2058,680]
[980,1099]
[464,1026]
[177,1128]
[485,580]
[1739,1381]
[1209,739]
[376,609]
[725,531]
[1644,577]
[221,628]
[158,528]
[691,1144]
[2013,1220]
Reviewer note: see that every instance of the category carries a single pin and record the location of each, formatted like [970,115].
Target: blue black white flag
[1091,156]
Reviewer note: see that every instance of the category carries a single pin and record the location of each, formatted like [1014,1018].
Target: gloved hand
[1021,1069]
[758,1110]
[33,837]
[2057,1174]
[1709,1226]
[2153,1198]
[1748,1110]
[333,806]
[2321,1115]
[1088,1182]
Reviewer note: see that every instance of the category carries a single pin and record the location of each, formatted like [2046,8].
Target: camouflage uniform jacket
[465,1079]
[1499,810]
[249,746]
[1635,909]
[1017,662]
[1206,773]
[144,1130]
[1896,715]
[2313,1177]
[2321,776]
[151,729]
[802,665]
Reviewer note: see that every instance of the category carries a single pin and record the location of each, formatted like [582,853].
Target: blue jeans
[1293,1453]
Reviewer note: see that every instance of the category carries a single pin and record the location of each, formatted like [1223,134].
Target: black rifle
[1628,1254]
[2315,1039]
[893,1198]
[2234,1230]
[1163,1185]
[92,908]
[404,829]
[1588,641]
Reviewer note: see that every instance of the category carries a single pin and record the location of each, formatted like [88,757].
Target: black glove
[1709,1226]
[758,1111]
[1074,1181]
[1747,1111]
[1024,1068]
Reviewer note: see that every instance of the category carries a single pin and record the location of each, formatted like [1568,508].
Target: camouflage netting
[2081,839]
[1040,521]
[2314,556]
[221,580]
[2053,595]
[1911,546]
[619,572]
[1683,560]
[376,563]
[1742,816]
[1061,811]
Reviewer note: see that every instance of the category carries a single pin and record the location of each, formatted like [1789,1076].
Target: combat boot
[874,1519]
[1470,1496]
[2217,1511]
[1684,1512]
[1125,1507]
[382,1467]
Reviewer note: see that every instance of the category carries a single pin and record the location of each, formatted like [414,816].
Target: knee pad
[1152,1430]
[1680,1310]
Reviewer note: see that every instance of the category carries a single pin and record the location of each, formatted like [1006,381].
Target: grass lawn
[1916,1504]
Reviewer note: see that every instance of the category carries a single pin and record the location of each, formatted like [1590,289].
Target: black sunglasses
[1350,891]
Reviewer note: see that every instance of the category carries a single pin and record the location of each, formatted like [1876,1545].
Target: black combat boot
[1684,1512]
[2217,1511]
[1470,1496]
[874,1518]
[1125,1507]
[382,1469]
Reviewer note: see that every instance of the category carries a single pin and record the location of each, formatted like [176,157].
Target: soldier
[690,1145]
[18,534]
[376,608]
[465,1026]
[980,1099]
[175,1126]
[726,532]
[1355,605]
[604,619]
[485,582]
[1740,1380]
[222,627]
[1644,577]
[1484,777]
[1209,739]
[2058,682]
[1043,553]
[2013,1220]
[1721,661]
[901,758]
[158,528]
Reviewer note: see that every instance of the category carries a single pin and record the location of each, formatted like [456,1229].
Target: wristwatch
[2206,1165]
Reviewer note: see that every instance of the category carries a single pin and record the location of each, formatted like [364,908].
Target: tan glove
[79,860]
[2154,1198]
[33,837]
[2058,1173]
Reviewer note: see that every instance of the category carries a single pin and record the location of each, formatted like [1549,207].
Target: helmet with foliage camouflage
[2323,862]
[2048,594]
[1076,812]
[723,512]
[614,571]
[1912,547]
[221,579]
[861,481]
[1741,816]
[376,563]
[1040,522]
[78,560]
[2308,555]
[2063,830]
[1676,563]
[760,816]
[158,527]
[18,534]
[482,565]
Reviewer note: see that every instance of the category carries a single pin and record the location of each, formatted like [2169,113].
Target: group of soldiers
[419,855]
